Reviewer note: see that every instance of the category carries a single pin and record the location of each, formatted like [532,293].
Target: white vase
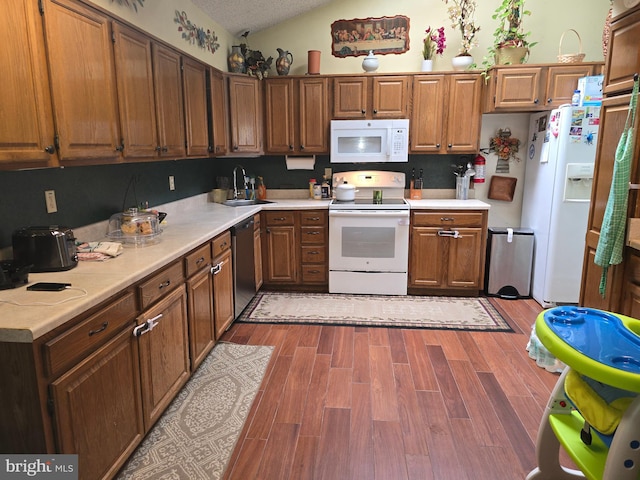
[427,65]
[461,62]
[370,62]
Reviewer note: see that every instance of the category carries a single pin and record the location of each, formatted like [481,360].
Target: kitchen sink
[241,202]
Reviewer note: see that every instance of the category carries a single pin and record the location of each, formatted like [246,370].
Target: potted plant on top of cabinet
[511,44]
[461,13]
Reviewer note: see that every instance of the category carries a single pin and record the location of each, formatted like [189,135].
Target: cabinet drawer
[221,244]
[160,284]
[447,219]
[67,349]
[279,218]
[197,259]
[314,217]
[633,269]
[313,235]
[314,254]
[314,274]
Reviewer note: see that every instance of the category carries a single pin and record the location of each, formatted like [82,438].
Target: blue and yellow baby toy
[597,392]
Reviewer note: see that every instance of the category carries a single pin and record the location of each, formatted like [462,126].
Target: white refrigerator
[555,204]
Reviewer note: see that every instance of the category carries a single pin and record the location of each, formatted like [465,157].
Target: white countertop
[190,223]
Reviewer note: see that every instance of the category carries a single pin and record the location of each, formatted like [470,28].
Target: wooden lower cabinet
[257,251]
[164,353]
[447,251]
[295,250]
[98,409]
[202,334]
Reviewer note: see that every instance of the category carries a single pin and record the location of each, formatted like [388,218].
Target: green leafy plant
[510,32]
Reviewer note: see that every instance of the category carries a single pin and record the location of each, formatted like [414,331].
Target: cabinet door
[194,81]
[349,97]
[98,411]
[201,330]
[244,106]
[463,113]
[223,292]
[390,97]
[427,125]
[280,115]
[83,83]
[623,60]
[164,354]
[613,115]
[464,264]
[517,87]
[136,97]
[219,112]
[426,267]
[562,81]
[167,79]
[280,254]
[26,118]
[313,108]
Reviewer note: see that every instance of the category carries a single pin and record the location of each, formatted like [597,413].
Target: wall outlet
[50,199]
[327,173]
[172,182]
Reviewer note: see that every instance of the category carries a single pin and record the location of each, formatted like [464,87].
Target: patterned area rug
[195,437]
[452,313]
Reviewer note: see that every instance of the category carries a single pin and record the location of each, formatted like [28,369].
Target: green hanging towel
[611,242]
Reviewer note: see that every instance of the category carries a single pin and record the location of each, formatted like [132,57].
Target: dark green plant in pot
[255,62]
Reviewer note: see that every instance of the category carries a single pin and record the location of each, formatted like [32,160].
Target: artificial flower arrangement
[433,43]
[504,145]
[461,13]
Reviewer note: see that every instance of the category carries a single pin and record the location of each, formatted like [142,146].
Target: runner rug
[195,437]
[451,313]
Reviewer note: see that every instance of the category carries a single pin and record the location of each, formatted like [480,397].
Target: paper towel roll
[300,163]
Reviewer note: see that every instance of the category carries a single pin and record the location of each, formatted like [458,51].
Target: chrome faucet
[235,182]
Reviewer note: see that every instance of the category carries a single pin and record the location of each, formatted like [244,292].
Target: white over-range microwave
[359,141]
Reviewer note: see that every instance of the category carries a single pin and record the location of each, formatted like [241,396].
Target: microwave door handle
[389,141]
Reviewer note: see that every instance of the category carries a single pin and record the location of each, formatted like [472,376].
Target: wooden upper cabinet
[245,114]
[194,81]
[297,115]
[167,76]
[83,85]
[623,60]
[26,118]
[529,88]
[371,97]
[446,113]
[219,99]
[136,96]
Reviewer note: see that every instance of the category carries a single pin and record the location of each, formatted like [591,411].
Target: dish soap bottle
[261,189]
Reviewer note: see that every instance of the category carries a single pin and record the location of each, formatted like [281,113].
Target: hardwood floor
[392,404]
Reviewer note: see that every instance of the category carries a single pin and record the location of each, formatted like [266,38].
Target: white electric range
[369,239]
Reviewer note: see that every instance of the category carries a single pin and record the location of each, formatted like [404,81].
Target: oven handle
[369,213]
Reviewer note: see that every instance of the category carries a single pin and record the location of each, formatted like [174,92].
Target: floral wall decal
[130,3]
[196,35]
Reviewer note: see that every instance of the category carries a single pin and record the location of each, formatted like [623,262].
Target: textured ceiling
[238,16]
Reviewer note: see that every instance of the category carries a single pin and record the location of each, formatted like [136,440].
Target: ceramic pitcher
[283,62]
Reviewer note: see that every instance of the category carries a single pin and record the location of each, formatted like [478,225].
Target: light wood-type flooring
[393,404]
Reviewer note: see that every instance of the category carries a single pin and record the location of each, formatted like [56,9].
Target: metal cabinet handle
[447,219]
[50,149]
[549,100]
[536,101]
[101,329]
[449,233]
[200,260]
[312,218]
[364,112]
[312,233]
[164,284]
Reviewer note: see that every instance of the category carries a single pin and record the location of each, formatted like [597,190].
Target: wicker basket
[570,57]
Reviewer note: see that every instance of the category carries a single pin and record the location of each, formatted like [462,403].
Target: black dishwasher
[244,282]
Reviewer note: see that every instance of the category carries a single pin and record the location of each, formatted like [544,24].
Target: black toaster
[48,248]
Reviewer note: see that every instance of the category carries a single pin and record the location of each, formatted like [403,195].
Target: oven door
[368,240]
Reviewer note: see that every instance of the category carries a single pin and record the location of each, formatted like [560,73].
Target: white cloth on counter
[97,251]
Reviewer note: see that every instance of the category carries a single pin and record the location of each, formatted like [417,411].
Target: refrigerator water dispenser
[578,181]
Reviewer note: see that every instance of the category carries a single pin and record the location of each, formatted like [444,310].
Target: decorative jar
[370,62]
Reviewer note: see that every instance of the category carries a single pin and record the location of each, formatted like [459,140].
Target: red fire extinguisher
[479,165]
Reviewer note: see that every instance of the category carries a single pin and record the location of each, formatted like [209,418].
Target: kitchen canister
[370,62]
